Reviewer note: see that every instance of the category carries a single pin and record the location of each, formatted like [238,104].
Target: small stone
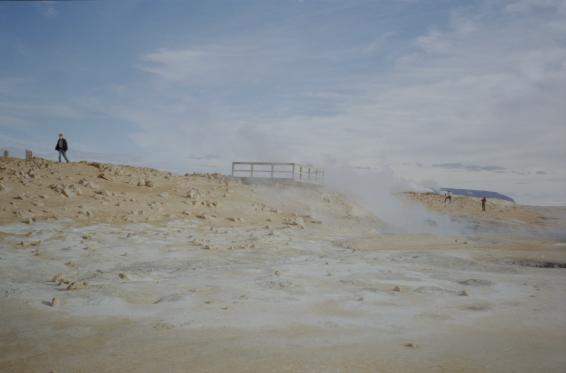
[463,293]
[149,183]
[28,220]
[55,302]
[122,276]
[410,345]
[77,285]
[396,288]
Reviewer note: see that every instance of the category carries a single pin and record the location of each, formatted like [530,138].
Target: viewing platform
[278,171]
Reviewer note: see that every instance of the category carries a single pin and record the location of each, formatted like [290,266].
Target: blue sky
[463,94]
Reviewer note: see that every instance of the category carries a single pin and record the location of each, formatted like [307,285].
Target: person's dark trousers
[62,153]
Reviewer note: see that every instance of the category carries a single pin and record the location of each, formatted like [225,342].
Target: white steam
[380,192]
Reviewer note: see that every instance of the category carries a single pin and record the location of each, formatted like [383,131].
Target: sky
[462,94]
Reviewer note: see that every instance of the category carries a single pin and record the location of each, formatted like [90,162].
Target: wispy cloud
[470,167]
[48,9]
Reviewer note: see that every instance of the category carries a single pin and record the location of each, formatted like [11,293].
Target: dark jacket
[61,145]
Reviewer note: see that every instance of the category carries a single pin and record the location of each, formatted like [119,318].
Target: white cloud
[48,9]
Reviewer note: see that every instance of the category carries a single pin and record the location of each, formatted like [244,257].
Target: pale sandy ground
[217,276]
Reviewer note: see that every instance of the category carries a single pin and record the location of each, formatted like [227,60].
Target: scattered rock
[55,302]
[149,183]
[58,278]
[463,293]
[410,345]
[77,285]
[396,288]
[475,282]
[193,194]
[169,298]
[122,276]
[28,220]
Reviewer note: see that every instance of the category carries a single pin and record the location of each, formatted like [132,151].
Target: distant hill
[477,193]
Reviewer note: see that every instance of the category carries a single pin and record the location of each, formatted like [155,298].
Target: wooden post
[29,155]
[232,169]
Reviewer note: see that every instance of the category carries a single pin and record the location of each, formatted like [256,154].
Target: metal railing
[278,170]
[28,153]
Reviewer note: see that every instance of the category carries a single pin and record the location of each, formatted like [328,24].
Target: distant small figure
[447,197]
[62,148]
[483,201]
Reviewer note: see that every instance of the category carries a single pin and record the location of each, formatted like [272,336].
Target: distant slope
[497,211]
[477,193]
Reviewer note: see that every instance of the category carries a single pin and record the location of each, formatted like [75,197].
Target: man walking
[483,201]
[62,148]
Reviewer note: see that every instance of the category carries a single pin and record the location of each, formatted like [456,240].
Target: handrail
[278,170]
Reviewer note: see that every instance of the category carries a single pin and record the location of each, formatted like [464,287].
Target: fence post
[29,155]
